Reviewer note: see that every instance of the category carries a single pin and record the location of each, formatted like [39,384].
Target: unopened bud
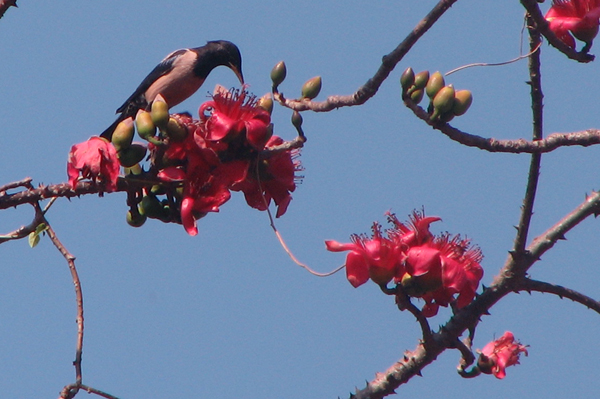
[266,103]
[462,101]
[132,155]
[160,112]
[435,84]
[123,134]
[151,207]
[417,95]
[175,130]
[145,127]
[421,79]
[135,219]
[297,119]
[278,74]
[311,88]
[407,79]
[446,117]
[444,99]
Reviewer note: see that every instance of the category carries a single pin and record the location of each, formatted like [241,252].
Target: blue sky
[226,314]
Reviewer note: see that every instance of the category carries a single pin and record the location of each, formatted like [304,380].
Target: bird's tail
[108,132]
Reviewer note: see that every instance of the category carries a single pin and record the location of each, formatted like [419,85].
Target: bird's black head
[217,53]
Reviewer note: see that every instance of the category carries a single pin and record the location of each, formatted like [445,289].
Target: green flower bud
[421,80]
[444,99]
[446,117]
[435,84]
[158,189]
[278,74]
[407,79]
[297,120]
[160,112]
[135,170]
[417,95]
[266,103]
[151,207]
[311,88]
[145,127]
[135,219]
[462,102]
[175,130]
[132,155]
[123,134]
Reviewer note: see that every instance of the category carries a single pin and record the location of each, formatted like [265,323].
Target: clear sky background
[226,314]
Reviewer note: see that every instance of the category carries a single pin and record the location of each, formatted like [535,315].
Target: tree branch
[562,292]
[388,63]
[510,279]
[537,106]
[583,138]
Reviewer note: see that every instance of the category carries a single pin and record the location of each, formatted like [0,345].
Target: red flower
[377,258]
[579,17]
[497,355]
[206,189]
[233,113]
[438,270]
[428,267]
[273,178]
[95,159]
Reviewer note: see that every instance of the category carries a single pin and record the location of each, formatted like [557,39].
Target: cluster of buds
[194,164]
[310,89]
[445,102]
[433,268]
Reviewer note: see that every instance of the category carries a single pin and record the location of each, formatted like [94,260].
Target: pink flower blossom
[497,355]
[95,159]
[440,270]
[377,258]
[233,113]
[273,178]
[579,18]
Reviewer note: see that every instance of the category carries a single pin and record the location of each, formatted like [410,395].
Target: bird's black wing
[137,99]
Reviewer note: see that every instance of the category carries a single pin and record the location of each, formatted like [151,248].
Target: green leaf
[34,239]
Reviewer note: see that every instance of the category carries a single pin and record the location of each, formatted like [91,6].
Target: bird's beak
[237,72]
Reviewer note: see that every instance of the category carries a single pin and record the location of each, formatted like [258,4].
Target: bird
[178,76]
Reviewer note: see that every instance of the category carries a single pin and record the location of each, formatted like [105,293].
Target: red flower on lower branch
[96,160]
[579,18]
[435,269]
[497,355]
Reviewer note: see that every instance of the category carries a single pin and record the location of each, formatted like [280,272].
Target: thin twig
[562,292]
[487,64]
[79,301]
[554,141]
[26,182]
[280,238]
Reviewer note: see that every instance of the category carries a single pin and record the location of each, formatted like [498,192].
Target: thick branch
[388,63]
[542,26]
